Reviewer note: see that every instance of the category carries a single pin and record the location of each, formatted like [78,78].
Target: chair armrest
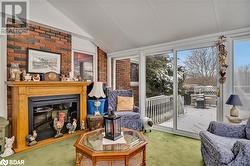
[241,150]
[136,109]
[227,130]
[214,148]
[241,146]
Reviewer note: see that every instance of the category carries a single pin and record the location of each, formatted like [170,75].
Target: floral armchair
[129,119]
[226,144]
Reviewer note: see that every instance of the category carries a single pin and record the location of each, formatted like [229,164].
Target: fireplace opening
[43,110]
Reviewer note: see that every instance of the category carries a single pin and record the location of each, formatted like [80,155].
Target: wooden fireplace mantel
[21,91]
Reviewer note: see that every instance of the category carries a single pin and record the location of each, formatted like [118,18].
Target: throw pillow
[125,103]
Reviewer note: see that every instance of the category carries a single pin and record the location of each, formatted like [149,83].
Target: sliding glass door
[185,100]
[197,88]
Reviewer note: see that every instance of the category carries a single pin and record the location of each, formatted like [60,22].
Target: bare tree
[201,64]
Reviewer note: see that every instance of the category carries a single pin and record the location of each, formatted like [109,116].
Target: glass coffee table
[94,150]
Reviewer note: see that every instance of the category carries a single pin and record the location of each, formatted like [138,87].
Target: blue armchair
[131,119]
[226,144]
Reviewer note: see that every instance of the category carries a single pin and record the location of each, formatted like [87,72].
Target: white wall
[3,88]
[84,45]
[43,12]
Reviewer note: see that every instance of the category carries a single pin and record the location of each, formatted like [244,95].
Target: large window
[83,66]
[242,74]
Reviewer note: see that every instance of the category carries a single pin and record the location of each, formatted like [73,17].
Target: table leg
[144,156]
[79,158]
[94,161]
[126,161]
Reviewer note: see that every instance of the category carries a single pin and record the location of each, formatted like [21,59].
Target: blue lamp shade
[234,100]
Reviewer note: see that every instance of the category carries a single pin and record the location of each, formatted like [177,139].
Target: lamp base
[97,105]
[97,113]
[234,112]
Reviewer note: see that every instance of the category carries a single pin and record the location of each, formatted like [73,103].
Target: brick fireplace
[44,38]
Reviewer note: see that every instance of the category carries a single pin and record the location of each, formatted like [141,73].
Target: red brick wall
[102,65]
[41,38]
[123,78]
[123,74]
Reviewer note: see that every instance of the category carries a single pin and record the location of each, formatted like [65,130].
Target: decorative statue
[147,124]
[27,77]
[36,77]
[58,124]
[31,139]
[15,73]
[83,125]
[8,147]
[72,127]
[23,74]
[222,52]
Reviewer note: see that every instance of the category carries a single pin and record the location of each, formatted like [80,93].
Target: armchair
[226,144]
[130,119]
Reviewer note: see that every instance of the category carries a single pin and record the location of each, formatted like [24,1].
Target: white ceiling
[125,24]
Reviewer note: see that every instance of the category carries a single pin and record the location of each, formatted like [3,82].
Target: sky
[241,53]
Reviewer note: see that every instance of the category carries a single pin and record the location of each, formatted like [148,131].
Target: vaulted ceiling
[125,24]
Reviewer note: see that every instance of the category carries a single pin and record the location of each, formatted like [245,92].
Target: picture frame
[40,61]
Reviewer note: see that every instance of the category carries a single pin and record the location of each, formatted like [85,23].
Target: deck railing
[159,108]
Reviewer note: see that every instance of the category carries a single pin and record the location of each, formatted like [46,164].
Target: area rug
[163,149]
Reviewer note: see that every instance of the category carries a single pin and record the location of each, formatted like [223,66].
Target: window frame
[95,71]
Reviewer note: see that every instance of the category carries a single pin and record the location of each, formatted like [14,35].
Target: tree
[201,66]
[159,75]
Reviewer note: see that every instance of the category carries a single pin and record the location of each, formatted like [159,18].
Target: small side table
[94,122]
[235,119]
[3,124]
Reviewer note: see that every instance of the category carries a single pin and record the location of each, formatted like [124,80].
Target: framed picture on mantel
[43,61]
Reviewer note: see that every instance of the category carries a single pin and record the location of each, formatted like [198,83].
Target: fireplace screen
[43,110]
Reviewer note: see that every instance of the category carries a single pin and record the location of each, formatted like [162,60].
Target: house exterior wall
[123,71]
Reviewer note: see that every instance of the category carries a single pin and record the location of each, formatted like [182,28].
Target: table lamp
[97,92]
[234,100]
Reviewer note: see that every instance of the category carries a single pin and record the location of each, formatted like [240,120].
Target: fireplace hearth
[43,110]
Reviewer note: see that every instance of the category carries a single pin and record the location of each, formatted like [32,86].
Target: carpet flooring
[163,149]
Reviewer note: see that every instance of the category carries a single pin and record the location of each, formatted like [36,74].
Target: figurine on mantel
[72,127]
[27,77]
[15,73]
[31,139]
[36,77]
[8,147]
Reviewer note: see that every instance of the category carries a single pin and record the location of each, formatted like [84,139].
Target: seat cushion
[128,115]
[248,129]
[218,147]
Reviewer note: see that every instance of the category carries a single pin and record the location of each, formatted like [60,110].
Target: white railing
[159,108]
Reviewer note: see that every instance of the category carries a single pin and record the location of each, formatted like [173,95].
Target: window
[83,66]
[242,74]
[134,72]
